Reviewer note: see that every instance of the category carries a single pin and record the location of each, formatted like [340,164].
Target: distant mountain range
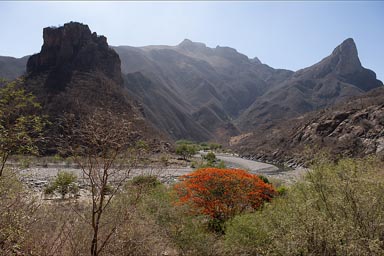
[190,91]
[11,68]
[193,91]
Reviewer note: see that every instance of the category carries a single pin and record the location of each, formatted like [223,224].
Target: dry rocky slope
[191,91]
[353,128]
[194,91]
[77,72]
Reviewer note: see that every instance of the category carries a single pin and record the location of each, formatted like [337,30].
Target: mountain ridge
[336,77]
[191,91]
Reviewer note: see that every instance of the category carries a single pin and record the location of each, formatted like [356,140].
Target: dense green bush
[186,150]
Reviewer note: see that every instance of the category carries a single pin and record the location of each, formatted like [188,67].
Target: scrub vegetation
[337,209]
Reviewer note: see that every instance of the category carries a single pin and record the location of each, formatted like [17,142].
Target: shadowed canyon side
[201,90]
[335,78]
[77,72]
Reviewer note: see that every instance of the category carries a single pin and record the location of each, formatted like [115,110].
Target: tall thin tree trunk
[94,241]
[96,222]
[3,161]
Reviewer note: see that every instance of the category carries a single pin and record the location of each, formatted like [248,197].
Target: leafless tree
[106,148]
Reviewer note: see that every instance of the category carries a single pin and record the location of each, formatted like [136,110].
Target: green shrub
[214,146]
[146,181]
[186,142]
[204,146]
[247,235]
[64,183]
[210,157]
[186,150]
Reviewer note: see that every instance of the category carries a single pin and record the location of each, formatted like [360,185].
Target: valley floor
[38,177]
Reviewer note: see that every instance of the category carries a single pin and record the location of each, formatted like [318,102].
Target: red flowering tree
[222,193]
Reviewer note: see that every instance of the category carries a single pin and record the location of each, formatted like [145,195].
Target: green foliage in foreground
[20,126]
[17,208]
[337,210]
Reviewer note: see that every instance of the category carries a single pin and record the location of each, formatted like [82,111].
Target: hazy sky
[289,35]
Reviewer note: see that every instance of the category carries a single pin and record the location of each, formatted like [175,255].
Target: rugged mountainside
[353,128]
[194,91]
[189,91]
[217,92]
[333,79]
[11,68]
[76,72]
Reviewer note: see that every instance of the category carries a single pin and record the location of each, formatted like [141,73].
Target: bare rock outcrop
[353,128]
[73,47]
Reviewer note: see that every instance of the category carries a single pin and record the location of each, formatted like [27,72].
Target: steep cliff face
[75,73]
[73,47]
[344,65]
[73,58]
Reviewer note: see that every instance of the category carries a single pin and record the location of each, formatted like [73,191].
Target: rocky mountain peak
[347,47]
[256,60]
[187,44]
[345,58]
[73,47]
